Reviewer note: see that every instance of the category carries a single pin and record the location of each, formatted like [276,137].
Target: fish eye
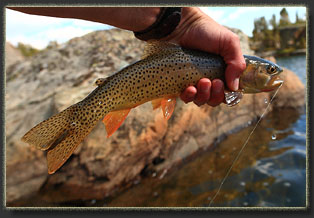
[271,69]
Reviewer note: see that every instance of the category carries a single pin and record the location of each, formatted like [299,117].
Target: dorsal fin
[156,47]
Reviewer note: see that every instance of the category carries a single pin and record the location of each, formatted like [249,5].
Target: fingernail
[235,84]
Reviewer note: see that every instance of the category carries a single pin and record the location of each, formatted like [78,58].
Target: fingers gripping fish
[164,71]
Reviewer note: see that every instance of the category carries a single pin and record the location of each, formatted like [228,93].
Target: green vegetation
[284,18]
[282,38]
[27,50]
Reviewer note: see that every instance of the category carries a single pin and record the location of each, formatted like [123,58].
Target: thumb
[233,57]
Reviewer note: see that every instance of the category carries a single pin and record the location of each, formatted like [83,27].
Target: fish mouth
[273,84]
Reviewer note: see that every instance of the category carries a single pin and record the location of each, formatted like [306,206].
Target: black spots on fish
[159,74]
[141,92]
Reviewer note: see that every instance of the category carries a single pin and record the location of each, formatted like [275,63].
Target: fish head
[260,75]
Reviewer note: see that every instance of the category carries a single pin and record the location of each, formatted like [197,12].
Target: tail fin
[60,135]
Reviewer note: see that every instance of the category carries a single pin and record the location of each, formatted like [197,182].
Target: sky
[38,31]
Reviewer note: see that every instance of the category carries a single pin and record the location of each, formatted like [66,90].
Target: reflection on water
[268,173]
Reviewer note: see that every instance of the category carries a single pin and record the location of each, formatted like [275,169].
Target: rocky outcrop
[62,75]
[12,55]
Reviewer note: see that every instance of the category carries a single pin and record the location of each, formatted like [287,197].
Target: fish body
[160,76]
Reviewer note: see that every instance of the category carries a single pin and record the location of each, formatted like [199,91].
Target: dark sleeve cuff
[166,22]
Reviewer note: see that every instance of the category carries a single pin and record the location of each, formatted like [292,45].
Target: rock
[12,55]
[32,95]
[61,75]
[293,85]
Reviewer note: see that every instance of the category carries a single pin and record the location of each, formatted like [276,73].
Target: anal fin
[167,105]
[114,119]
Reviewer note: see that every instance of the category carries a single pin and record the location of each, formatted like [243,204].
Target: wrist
[166,22]
[142,18]
[131,18]
[189,16]
[128,18]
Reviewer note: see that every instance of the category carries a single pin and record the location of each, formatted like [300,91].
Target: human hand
[196,30]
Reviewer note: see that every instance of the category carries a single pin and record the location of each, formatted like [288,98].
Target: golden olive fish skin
[163,73]
[157,76]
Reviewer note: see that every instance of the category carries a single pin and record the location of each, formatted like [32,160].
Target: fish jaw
[273,84]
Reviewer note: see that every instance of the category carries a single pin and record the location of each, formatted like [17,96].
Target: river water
[271,171]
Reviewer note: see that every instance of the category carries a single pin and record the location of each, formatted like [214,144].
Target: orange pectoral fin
[113,120]
[168,107]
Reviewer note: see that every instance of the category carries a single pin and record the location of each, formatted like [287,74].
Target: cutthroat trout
[160,76]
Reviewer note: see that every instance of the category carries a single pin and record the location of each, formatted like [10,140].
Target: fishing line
[242,148]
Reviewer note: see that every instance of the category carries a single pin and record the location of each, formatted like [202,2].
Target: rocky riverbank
[63,74]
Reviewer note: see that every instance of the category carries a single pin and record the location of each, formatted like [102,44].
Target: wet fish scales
[163,73]
[155,77]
